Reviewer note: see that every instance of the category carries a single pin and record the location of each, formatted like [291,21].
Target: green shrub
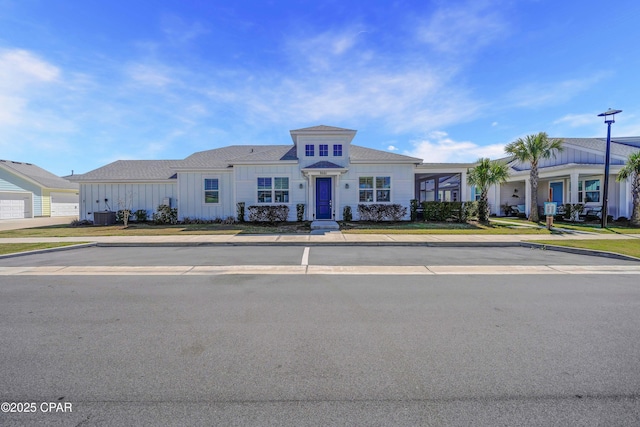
[120,216]
[347,215]
[166,215]
[240,211]
[413,208]
[447,211]
[377,212]
[141,215]
[278,213]
[300,212]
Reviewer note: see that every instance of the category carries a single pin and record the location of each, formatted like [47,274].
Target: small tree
[631,170]
[125,207]
[532,149]
[484,175]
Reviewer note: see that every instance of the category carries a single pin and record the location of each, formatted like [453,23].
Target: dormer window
[308,150]
[337,150]
[324,150]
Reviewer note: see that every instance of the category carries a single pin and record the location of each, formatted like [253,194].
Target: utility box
[167,201]
[104,218]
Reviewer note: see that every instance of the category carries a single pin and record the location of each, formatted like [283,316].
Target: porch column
[464,193]
[574,187]
[336,200]
[527,196]
[624,208]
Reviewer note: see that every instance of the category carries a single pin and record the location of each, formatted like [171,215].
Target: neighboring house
[321,170]
[575,175]
[28,191]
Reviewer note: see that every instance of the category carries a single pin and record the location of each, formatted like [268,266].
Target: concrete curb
[46,250]
[429,244]
[579,251]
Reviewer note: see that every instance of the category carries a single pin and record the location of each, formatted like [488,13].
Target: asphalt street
[320,350]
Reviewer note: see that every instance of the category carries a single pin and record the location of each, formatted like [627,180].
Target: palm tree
[532,149]
[632,169]
[485,174]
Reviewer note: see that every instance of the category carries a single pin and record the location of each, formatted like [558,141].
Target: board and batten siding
[330,141]
[137,196]
[246,177]
[571,155]
[191,191]
[402,185]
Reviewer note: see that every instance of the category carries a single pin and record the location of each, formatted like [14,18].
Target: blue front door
[323,198]
[556,188]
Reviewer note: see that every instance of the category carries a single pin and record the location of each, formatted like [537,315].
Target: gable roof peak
[322,128]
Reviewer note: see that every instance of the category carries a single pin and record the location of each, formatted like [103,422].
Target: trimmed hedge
[278,213]
[381,212]
[444,211]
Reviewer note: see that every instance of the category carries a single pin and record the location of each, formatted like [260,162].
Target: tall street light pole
[609,118]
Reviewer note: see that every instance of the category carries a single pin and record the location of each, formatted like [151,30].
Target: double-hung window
[323,150]
[211,190]
[273,190]
[589,192]
[337,150]
[374,189]
[309,150]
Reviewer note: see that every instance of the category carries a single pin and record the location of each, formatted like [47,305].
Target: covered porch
[574,184]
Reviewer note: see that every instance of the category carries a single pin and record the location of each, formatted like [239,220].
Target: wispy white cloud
[149,75]
[178,31]
[22,76]
[438,147]
[576,120]
[538,94]
[463,28]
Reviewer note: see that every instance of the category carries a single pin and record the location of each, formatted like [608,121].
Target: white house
[28,191]
[321,170]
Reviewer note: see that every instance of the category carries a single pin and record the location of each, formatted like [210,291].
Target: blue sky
[87,82]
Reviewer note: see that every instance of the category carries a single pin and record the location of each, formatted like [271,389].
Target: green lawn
[497,226]
[589,227]
[629,247]
[12,248]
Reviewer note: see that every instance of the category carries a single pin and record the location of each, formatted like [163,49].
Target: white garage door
[15,205]
[64,204]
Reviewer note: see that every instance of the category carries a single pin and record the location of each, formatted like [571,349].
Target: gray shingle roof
[322,128]
[130,170]
[44,178]
[220,158]
[369,154]
[324,165]
[600,145]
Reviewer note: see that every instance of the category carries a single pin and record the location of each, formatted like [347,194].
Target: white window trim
[313,149]
[375,189]
[204,203]
[583,192]
[273,190]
